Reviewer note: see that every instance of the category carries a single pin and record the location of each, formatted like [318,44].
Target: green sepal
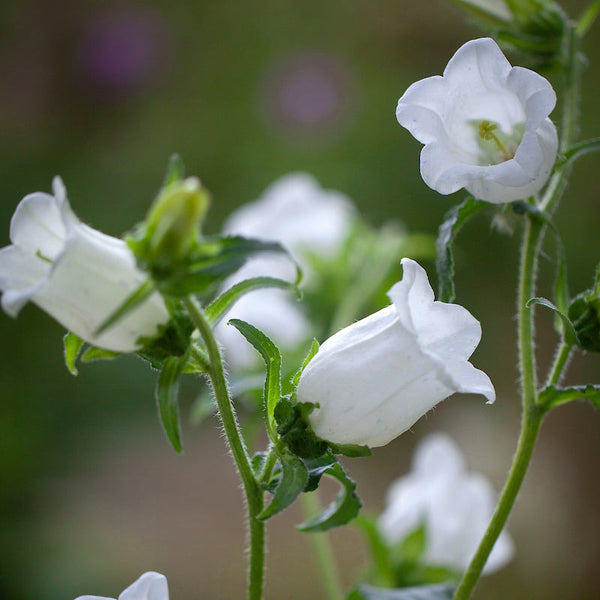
[554,396]
[578,150]
[272,357]
[421,592]
[292,481]
[167,389]
[219,307]
[344,507]
[587,18]
[568,330]
[314,348]
[455,218]
[133,300]
[350,450]
[72,347]
[293,428]
[173,338]
[175,170]
[213,259]
[93,353]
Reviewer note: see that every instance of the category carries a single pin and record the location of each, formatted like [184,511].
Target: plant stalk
[253,492]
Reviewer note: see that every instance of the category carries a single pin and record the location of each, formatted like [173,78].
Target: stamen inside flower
[495,145]
[44,258]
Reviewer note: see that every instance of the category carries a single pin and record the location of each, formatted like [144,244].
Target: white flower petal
[374,379]
[150,586]
[480,85]
[75,273]
[454,506]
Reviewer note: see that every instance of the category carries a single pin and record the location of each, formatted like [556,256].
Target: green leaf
[72,347]
[94,353]
[578,150]
[413,545]
[218,308]
[204,406]
[314,348]
[135,299]
[272,357]
[422,592]
[166,395]
[453,221]
[175,170]
[586,20]
[379,550]
[568,329]
[554,396]
[342,510]
[294,476]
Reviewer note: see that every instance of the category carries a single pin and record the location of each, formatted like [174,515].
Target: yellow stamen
[486,132]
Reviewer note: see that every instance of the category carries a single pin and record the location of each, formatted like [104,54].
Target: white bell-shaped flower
[453,505]
[484,124]
[298,213]
[377,377]
[150,586]
[76,274]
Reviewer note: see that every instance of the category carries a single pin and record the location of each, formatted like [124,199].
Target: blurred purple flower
[122,51]
[308,94]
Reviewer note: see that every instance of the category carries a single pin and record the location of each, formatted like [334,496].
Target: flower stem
[530,426]
[324,553]
[252,490]
[532,414]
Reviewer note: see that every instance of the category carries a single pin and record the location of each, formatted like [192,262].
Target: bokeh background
[102,93]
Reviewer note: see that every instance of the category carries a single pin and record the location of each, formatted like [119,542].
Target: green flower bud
[174,220]
[584,313]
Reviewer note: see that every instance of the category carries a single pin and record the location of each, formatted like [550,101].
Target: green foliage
[584,312]
[295,431]
[272,357]
[568,329]
[455,218]
[587,18]
[292,480]
[167,389]
[72,347]
[554,396]
[314,348]
[425,592]
[175,170]
[342,510]
[92,353]
[219,307]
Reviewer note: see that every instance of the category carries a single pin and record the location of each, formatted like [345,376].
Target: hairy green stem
[254,493]
[323,551]
[530,426]
[531,416]
[561,360]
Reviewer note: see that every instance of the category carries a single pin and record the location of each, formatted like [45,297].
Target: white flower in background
[150,586]
[307,219]
[76,274]
[484,124]
[375,378]
[454,506]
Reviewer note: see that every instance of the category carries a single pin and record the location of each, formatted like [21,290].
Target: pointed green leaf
[175,170]
[578,150]
[379,550]
[217,309]
[294,476]
[454,220]
[167,395]
[422,592]
[272,357]
[314,348]
[204,406]
[587,18]
[569,331]
[342,510]
[72,347]
[554,396]
[127,306]
[351,450]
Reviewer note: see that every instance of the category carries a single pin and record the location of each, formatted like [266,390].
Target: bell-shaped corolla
[76,274]
[373,380]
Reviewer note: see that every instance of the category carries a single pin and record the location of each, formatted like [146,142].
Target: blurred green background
[102,93]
